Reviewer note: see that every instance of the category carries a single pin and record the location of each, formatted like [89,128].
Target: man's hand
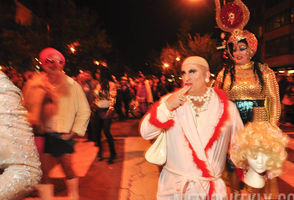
[109,112]
[177,98]
[67,136]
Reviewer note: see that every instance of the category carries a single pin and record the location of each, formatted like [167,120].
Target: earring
[207,80]
[251,54]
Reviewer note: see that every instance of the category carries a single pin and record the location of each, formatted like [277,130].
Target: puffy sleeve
[83,111]
[19,160]
[157,119]
[272,95]
[237,124]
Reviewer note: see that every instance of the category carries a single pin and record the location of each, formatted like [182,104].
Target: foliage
[204,46]
[57,24]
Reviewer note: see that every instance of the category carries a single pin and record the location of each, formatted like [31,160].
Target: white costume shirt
[19,160]
[64,109]
[180,175]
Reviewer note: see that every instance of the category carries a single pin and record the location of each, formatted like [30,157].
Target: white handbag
[156,154]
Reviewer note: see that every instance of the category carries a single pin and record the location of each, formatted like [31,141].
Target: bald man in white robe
[198,138]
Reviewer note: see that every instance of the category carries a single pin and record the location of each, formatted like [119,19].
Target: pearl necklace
[203,98]
[204,106]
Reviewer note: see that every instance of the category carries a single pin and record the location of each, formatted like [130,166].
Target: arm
[272,96]
[160,116]
[149,92]
[34,105]
[112,93]
[82,113]
[34,93]
[161,113]
[236,127]
[19,158]
[237,121]
[112,101]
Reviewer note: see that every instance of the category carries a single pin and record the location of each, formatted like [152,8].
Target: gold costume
[254,100]
[247,87]
[250,193]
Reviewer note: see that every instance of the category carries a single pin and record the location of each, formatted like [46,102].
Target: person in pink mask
[58,110]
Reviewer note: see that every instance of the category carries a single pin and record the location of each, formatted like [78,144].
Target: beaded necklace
[206,98]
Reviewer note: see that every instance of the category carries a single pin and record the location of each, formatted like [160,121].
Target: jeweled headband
[232,17]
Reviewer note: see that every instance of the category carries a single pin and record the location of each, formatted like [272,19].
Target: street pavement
[130,177]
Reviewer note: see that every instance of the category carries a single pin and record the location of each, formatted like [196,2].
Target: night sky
[137,27]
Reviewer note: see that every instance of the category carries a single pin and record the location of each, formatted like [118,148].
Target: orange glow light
[104,64]
[166,65]
[72,49]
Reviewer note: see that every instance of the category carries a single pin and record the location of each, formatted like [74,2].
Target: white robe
[180,174]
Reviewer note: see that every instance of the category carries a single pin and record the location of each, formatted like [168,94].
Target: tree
[197,45]
[204,46]
[58,24]
[168,59]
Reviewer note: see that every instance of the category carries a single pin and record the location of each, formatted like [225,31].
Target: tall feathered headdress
[232,17]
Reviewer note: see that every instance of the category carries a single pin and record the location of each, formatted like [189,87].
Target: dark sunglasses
[53,61]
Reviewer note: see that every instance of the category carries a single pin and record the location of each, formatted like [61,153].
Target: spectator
[105,97]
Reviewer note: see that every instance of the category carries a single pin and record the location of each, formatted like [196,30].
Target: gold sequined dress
[254,104]
[250,193]
[247,92]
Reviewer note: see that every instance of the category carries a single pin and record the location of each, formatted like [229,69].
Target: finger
[184,89]
[187,88]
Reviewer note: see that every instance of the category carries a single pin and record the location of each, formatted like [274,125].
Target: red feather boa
[217,131]
[154,121]
[222,120]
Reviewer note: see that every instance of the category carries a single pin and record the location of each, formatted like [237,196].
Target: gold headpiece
[233,17]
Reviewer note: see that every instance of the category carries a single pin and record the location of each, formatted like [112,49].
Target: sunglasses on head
[51,61]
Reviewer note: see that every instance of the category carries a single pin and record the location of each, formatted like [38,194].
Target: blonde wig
[260,137]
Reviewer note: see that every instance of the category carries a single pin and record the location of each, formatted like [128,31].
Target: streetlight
[166,65]
[96,62]
[72,49]
[72,46]
[178,58]
[103,63]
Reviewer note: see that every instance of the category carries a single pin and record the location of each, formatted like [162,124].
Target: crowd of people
[94,99]
[127,101]
[59,108]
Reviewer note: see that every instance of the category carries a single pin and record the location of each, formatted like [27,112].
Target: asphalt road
[130,174]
